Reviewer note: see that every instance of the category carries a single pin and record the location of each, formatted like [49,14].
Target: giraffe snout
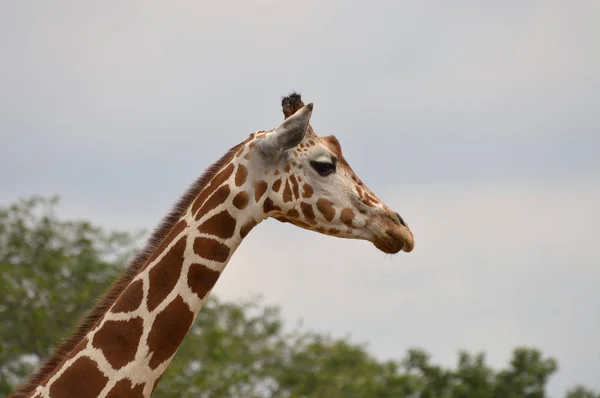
[392,234]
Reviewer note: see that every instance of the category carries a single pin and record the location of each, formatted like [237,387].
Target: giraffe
[288,173]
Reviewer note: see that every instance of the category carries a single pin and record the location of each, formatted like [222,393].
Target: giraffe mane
[112,293]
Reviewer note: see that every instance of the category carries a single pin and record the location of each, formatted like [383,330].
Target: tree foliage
[52,271]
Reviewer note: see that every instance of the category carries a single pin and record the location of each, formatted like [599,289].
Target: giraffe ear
[287,135]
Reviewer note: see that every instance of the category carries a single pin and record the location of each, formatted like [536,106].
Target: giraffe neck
[131,346]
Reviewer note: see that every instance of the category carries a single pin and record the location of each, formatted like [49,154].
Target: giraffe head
[307,182]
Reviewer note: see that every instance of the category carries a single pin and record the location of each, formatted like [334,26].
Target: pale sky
[477,122]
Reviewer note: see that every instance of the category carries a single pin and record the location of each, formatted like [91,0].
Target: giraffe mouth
[389,246]
[395,241]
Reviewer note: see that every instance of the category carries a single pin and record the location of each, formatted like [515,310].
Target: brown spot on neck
[240,175]
[260,187]
[201,279]
[119,340]
[81,379]
[276,185]
[168,331]
[241,200]
[164,275]
[211,249]
[218,179]
[131,298]
[221,225]
[219,197]
[177,229]
[287,192]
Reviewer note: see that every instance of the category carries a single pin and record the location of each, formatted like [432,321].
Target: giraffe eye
[323,168]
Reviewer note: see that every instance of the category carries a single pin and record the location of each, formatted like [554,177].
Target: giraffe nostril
[401,220]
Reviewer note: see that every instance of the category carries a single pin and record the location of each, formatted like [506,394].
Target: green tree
[473,378]
[526,377]
[582,392]
[52,271]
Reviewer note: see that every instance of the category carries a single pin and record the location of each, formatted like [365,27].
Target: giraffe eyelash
[323,168]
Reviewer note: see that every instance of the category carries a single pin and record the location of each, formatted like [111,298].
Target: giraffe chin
[389,246]
[393,242]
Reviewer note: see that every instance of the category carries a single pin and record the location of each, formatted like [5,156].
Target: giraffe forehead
[333,144]
[322,144]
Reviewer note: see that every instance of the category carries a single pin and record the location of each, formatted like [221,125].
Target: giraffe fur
[288,173]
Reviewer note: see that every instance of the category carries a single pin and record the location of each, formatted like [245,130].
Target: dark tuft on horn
[291,104]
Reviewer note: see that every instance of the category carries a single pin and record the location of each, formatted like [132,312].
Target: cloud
[436,92]
[477,122]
